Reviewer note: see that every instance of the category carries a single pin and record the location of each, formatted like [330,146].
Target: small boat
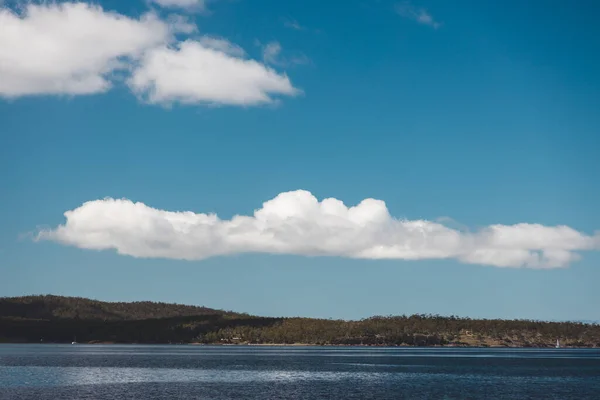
[74,340]
[557,344]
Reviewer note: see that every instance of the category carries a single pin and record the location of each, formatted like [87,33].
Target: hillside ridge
[60,319]
[52,306]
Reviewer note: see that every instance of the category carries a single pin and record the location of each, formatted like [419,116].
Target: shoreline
[405,346]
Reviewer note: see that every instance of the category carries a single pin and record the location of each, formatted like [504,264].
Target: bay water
[48,371]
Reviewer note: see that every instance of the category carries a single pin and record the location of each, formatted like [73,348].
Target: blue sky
[476,118]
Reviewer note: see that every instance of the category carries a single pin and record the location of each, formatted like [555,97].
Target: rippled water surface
[249,372]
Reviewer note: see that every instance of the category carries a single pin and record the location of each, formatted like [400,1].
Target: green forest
[57,319]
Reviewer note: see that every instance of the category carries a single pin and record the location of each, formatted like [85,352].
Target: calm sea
[248,372]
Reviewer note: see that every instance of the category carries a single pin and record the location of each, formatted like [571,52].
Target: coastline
[467,346]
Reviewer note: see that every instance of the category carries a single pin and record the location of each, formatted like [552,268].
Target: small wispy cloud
[223,45]
[272,54]
[188,5]
[420,15]
[293,24]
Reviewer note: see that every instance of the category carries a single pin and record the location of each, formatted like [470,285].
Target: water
[252,372]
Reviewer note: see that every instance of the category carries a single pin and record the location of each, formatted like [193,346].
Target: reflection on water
[153,372]
[68,376]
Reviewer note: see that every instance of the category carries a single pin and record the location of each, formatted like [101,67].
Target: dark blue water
[248,372]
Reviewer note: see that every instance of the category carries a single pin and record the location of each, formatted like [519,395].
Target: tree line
[52,319]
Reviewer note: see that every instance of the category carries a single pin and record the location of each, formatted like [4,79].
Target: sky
[304,158]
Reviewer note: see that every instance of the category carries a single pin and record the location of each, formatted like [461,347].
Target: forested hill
[53,307]
[56,319]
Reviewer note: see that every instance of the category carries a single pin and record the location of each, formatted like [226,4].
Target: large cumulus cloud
[298,223]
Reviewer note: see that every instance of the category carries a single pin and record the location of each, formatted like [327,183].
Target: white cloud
[69,48]
[297,223]
[193,72]
[76,48]
[190,5]
[420,15]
